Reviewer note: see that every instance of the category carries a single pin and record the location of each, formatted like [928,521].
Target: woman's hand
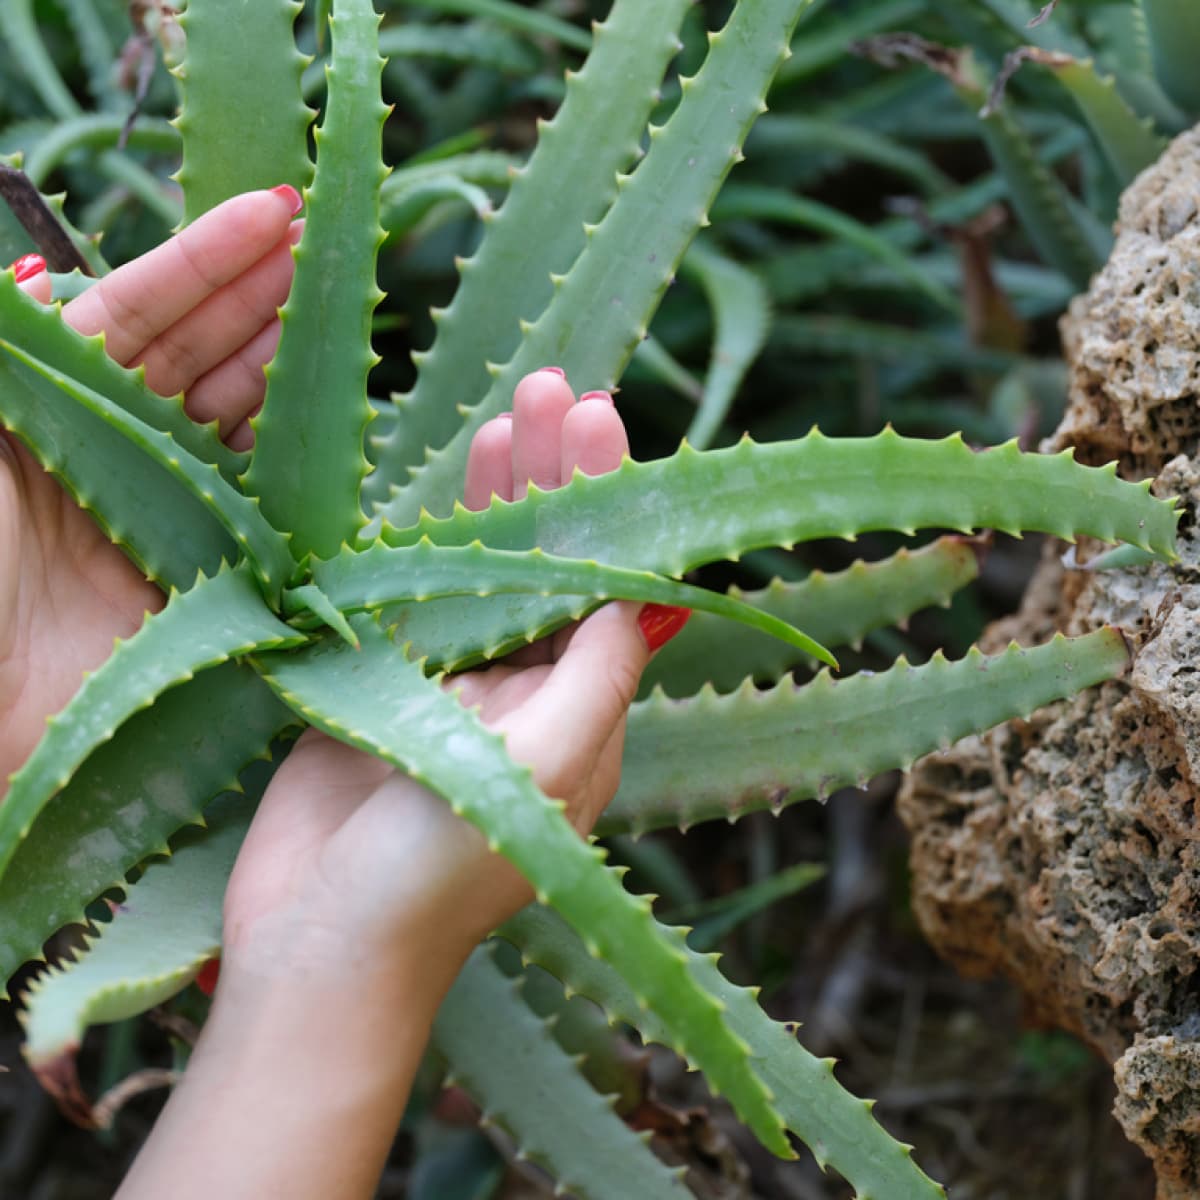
[199,313]
[348,858]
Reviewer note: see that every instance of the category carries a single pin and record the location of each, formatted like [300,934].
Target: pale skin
[357,895]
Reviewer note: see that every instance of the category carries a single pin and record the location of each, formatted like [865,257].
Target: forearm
[293,1092]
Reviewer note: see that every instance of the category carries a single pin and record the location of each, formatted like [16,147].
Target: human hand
[348,860]
[200,313]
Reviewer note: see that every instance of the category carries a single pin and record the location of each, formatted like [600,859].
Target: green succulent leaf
[241,87]
[162,932]
[308,462]
[723,756]
[512,1067]
[1174,27]
[838,1128]
[265,549]
[837,610]
[383,576]
[378,700]
[659,516]
[217,620]
[129,796]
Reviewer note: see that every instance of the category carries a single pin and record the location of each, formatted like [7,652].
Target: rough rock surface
[1063,851]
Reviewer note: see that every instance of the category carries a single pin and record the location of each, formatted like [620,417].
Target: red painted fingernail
[206,981]
[659,623]
[27,266]
[604,397]
[553,371]
[290,194]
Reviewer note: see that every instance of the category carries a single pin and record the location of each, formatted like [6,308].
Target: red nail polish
[290,194]
[603,397]
[27,266]
[206,981]
[553,371]
[659,623]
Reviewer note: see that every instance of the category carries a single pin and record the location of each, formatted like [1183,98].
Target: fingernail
[206,981]
[603,397]
[659,623]
[504,416]
[290,194]
[553,371]
[27,266]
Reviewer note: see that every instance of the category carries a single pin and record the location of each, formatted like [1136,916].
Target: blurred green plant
[562,224]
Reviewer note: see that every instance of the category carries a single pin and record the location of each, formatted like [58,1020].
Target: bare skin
[358,894]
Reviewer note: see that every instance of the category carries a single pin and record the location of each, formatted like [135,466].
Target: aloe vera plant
[328,578]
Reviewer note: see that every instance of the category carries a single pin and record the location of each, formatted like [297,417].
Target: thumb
[32,278]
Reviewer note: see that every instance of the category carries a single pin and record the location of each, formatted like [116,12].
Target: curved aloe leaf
[129,797]
[631,256]
[169,649]
[266,549]
[837,610]
[837,1127]
[741,311]
[382,576]
[308,462]
[141,507]
[164,930]
[97,130]
[41,332]
[723,756]
[569,181]
[660,516]
[241,86]
[378,700]
[515,1071]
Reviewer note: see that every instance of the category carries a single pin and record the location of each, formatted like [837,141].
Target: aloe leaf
[660,516]
[41,332]
[240,83]
[141,507]
[631,256]
[219,619]
[129,796]
[308,462]
[514,16]
[723,756]
[266,549]
[741,316]
[1174,27]
[515,1071]
[837,1127]
[569,180]
[1129,142]
[837,610]
[378,700]
[162,932]
[382,576]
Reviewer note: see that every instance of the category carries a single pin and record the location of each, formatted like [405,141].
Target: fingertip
[593,437]
[489,464]
[29,272]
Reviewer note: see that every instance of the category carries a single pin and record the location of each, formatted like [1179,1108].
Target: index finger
[144,298]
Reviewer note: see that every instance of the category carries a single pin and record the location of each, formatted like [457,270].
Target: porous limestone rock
[1063,851]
